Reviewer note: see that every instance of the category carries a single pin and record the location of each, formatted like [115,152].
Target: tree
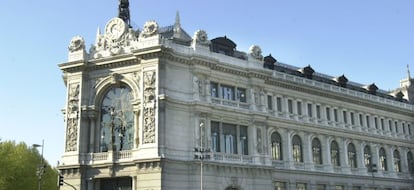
[18,166]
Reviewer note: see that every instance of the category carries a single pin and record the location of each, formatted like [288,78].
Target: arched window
[297,149]
[383,159]
[335,154]
[352,158]
[410,161]
[316,151]
[397,161]
[117,120]
[367,157]
[276,146]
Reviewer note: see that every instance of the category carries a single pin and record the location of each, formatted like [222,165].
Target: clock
[115,28]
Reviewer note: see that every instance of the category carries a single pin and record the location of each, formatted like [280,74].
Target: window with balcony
[117,119]
[410,162]
[280,185]
[228,92]
[397,161]
[241,94]
[352,156]
[215,136]
[300,186]
[214,89]
[297,149]
[367,157]
[229,138]
[316,151]
[276,145]
[383,159]
[335,154]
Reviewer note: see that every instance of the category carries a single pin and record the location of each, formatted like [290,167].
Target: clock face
[115,28]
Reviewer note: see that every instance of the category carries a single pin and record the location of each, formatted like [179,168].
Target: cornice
[215,65]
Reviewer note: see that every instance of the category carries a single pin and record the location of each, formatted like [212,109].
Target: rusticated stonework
[72,118]
[149,107]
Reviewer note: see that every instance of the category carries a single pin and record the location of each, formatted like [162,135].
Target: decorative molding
[72,118]
[149,104]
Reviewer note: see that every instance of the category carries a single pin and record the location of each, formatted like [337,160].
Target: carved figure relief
[149,107]
[77,43]
[72,118]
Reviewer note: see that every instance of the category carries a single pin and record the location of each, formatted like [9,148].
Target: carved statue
[77,43]
[150,29]
[200,36]
[256,52]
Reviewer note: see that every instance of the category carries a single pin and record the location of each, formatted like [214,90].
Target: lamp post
[200,154]
[41,169]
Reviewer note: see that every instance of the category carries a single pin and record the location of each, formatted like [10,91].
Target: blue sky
[368,41]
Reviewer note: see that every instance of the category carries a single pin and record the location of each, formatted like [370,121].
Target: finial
[177,24]
[408,72]
[123,11]
[177,19]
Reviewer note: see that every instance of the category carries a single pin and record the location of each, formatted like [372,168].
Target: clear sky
[368,41]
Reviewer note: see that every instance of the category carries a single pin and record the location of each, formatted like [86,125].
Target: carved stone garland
[149,107]
[72,118]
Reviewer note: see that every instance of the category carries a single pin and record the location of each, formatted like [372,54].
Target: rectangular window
[368,123]
[214,89]
[215,136]
[227,92]
[310,113]
[361,121]
[328,114]
[376,122]
[336,115]
[299,106]
[241,94]
[382,124]
[352,118]
[290,106]
[345,117]
[390,125]
[396,126]
[409,129]
[318,111]
[403,128]
[269,102]
[279,104]
[356,188]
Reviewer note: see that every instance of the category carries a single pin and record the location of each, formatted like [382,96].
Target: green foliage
[18,166]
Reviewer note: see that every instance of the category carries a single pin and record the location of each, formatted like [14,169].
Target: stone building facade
[160,109]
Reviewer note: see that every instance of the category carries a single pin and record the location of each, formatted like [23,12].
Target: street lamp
[41,168]
[201,154]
